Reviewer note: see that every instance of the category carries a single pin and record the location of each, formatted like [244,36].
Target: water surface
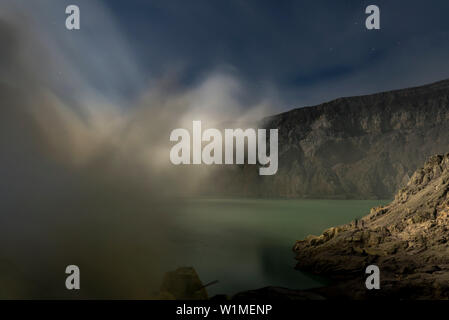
[247,243]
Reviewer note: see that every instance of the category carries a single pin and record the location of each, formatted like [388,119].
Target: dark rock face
[363,147]
[408,239]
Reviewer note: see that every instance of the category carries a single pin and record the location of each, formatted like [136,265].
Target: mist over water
[84,160]
[246,244]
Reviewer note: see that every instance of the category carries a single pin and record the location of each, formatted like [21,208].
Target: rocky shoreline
[407,239]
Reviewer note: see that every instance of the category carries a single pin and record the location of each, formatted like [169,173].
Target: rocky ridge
[408,239]
[363,147]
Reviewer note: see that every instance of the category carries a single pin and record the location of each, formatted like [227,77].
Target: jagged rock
[181,284]
[407,239]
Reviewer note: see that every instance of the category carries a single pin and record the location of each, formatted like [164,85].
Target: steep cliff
[407,239]
[358,147]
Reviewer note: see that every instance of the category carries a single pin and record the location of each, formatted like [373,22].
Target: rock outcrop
[407,239]
[181,284]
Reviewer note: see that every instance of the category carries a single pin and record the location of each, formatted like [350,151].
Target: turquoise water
[247,243]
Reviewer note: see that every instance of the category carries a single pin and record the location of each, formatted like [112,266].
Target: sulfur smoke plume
[85,173]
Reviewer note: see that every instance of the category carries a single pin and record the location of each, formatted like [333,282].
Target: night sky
[305,52]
